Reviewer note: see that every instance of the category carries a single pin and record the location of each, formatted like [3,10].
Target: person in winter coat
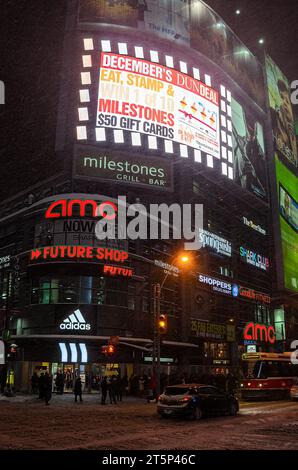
[78,389]
[104,390]
[47,387]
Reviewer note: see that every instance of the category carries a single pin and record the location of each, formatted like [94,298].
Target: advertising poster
[281,113]
[249,151]
[167,18]
[149,98]
[212,37]
[287,189]
[124,12]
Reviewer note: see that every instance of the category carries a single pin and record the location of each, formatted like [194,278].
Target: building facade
[160,105]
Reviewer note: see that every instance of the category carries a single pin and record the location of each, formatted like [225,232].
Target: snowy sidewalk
[67,398]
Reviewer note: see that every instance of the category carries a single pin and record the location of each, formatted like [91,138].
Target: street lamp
[183,259]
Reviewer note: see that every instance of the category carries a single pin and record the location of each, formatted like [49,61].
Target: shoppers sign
[259,261]
[254,226]
[216,243]
[139,170]
[148,98]
[259,332]
[218,285]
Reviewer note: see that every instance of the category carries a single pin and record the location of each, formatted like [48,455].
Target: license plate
[168,412]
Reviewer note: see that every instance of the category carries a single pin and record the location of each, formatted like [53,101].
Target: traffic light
[108,349]
[163,324]
[111,349]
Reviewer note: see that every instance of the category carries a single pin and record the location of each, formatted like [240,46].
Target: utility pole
[156,336]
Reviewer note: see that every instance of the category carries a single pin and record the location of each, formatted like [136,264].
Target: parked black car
[195,401]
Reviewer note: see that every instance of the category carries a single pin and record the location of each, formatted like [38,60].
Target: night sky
[273,20]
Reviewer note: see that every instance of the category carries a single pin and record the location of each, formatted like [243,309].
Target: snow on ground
[26,423]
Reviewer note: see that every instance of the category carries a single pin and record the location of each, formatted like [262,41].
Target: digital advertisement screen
[249,151]
[287,187]
[281,112]
[149,98]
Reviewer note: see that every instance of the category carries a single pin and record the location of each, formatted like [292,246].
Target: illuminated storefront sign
[259,332]
[67,208]
[213,330]
[78,252]
[251,294]
[254,226]
[259,261]
[216,243]
[137,170]
[75,321]
[235,290]
[73,353]
[218,285]
[117,271]
[149,98]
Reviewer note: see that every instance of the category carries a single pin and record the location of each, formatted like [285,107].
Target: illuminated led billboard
[281,113]
[287,190]
[249,151]
[153,103]
[149,98]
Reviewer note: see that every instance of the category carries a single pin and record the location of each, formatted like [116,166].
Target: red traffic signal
[111,349]
[108,349]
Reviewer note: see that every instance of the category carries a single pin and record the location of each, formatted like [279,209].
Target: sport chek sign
[149,98]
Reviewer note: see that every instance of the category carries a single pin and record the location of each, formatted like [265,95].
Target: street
[26,423]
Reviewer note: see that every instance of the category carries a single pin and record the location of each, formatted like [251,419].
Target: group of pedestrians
[43,386]
[114,387]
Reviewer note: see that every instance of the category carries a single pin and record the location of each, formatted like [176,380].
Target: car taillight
[185,399]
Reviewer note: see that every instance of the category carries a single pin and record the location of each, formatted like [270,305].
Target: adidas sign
[75,321]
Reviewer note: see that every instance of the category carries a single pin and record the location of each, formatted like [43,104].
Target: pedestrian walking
[41,386]
[78,389]
[112,390]
[104,390]
[47,386]
[59,383]
[34,383]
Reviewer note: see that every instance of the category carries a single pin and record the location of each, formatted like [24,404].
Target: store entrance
[65,375]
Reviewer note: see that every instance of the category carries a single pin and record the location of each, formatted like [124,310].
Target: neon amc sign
[259,332]
[65,208]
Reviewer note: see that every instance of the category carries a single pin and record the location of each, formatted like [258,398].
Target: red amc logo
[64,208]
[259,332]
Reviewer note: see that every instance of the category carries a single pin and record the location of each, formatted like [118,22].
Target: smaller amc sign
[259,332]
[137,170]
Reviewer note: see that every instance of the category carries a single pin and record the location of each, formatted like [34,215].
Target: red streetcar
[268,375]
